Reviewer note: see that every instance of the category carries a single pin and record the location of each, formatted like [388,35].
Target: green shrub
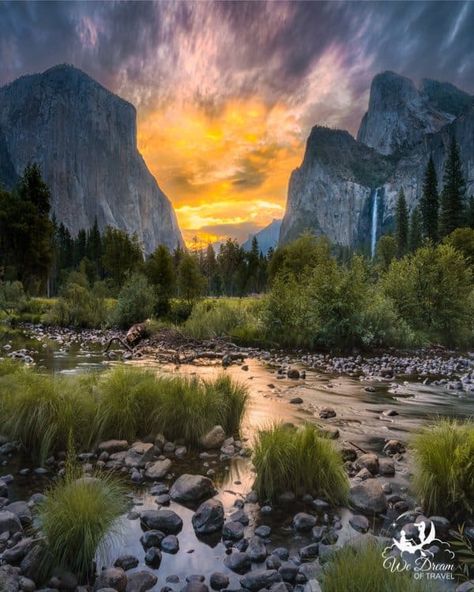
[78,305]
[301,461]
[432,292]
[221,318]
[180,310]
[135,302]
[77,518]
[360,569]
[444,475]
[12,297]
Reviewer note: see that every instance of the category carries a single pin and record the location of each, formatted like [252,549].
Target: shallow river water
[359,420]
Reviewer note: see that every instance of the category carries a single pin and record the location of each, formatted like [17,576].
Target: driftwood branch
[122,343]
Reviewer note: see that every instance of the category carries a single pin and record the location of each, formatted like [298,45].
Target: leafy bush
[12,296]
[432,292]
[78,305]
[301,461]
[444,476]
[360,569]
[322,308]
[221,318]
[135,302]
[76,519]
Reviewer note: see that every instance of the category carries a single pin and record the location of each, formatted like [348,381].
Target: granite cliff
[84,139]
[346,189]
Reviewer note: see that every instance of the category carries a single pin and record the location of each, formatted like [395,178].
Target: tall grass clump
[360,569]
[189,407]
[301,461]
[444,474]
[127,402]
[40,411]
[77,518]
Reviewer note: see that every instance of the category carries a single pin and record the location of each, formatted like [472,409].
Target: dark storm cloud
[269,49]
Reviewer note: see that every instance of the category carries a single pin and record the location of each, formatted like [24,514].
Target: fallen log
[122,343]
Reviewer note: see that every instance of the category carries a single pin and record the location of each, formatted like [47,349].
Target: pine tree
[429,203]
[415,234]
[401,223]
[452,197]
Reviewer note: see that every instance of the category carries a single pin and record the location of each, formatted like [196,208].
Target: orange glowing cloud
[225,169]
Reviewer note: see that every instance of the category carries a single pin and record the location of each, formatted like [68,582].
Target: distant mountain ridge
[342,180]
[267,237]
[84,139]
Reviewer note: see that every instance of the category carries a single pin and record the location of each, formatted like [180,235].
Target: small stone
[303,521]
[192,488]
[233,531]
[359,523]
[327,413]
[158,469]
[152,538]
[112,577]
[153,557]
[296,401]
[263,531]
[209,517]
[213,439]
[170,544]
[218,581]
[293,373]
[126,562]
[238,562]
[141,581]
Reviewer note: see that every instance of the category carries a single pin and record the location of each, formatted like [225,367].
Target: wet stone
[218,581]
[238,562]
[153,557]
[303,521]
[359,523]
[170,544]
[263,531]
[126,562]
[233,531]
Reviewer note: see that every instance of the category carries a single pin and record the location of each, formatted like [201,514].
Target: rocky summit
[84,139]
[346,189]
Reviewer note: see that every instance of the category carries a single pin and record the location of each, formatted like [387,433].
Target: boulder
[218,581]
[158,469]
[303,521]
[260,578]
[139,454]
[368,461]
[165,521]
[112,446]
[238,562]
[9,522]
[213,439]
[192,488]
[368,497]
[209,517]
[112,577]
[141,581]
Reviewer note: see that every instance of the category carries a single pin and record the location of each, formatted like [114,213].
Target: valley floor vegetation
[418,290]
[43,411]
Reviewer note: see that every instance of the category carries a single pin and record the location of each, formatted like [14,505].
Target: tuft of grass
[444,475]
[188,407]
[298,460]
[127,402]
[360,569]
[40,410]
[77,518]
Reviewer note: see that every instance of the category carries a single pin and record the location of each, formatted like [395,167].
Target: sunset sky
[226,92]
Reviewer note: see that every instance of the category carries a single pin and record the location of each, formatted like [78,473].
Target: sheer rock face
[333,191]
[84,139]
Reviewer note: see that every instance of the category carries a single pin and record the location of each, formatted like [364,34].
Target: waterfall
[373,230]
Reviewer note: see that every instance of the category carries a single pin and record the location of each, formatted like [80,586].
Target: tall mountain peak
[83,137]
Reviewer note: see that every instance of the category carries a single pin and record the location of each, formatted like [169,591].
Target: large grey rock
[214,438]
[192,488]
[260,578]
[209,517]
[165,521]
[158,469]
[141,581]
[238,562]
[139,454]
[112,577]
[9,522]
[81,134]
[368,497]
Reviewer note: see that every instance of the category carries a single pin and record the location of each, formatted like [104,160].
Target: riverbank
[369,416]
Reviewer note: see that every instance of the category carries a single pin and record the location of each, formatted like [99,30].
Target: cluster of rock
[451,371]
